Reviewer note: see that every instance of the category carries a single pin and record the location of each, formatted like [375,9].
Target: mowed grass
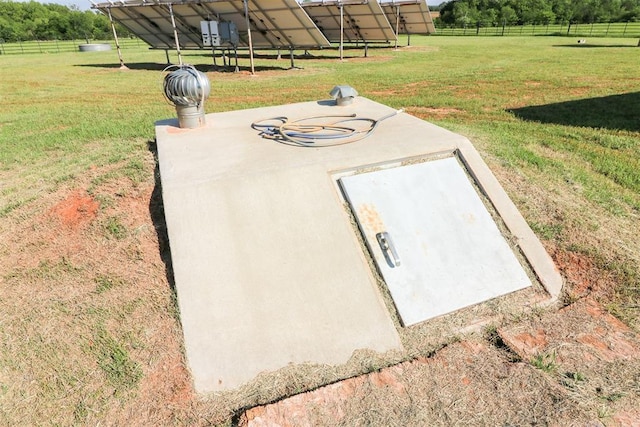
[558,123]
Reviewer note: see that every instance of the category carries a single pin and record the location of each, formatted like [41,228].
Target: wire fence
[602,29]
[59,46]
[614,29]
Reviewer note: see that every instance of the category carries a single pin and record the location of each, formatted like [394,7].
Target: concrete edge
[532,248]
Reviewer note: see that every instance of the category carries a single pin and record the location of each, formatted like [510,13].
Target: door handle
[388,249]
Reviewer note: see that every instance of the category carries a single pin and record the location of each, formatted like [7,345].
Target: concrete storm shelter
[271,239]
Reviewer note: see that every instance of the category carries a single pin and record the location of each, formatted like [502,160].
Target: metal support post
[115,38]
[246,15]
[235,54]
[341,31]
[175,34]
[397,24]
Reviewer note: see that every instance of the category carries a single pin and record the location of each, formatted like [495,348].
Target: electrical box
[229,33]
[210,33]
[216,33]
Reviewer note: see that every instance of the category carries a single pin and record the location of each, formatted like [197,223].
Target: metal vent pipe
[187,88]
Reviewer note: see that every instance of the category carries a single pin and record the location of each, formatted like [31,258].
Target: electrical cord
[319,131]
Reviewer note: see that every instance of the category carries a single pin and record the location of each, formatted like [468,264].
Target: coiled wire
[319,131]
[185,86]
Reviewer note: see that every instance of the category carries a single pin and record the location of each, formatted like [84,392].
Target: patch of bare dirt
[583,276]
[90,316]
[369,59]
[76,210]
[467,383]
[426,112]
[590,353]
[419,48]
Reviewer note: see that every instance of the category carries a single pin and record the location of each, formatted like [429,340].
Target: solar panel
[363,20]
[274,23]
[410,16]
[146,24]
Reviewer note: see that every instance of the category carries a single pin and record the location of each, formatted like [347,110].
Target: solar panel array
[361,21]
[409,16]
[273,23]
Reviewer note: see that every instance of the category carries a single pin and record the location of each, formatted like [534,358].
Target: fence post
[2,46]
[624,32]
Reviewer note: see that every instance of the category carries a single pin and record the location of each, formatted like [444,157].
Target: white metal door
[434,241]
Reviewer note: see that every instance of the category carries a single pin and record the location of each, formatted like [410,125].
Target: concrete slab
[267,266]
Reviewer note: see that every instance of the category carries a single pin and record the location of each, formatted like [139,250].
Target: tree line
[462,13]
[37,21]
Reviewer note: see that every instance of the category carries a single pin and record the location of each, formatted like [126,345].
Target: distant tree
[566,10]
[82,25]
[534,11]
[102,28]
[458,13]
[629,11]
[496,12]
[36,21]
[507,15]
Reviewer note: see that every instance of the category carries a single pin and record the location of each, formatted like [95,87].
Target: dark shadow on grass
[156,211]
[616,112]
[283,60]
[151,66]
[588,46]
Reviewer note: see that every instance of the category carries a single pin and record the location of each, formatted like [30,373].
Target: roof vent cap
[187,88]
[343,94]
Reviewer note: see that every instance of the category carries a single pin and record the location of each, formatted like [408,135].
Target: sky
[81,4]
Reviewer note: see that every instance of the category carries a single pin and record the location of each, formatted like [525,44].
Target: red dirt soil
[76,210]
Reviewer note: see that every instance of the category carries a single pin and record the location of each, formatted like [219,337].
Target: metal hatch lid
[433,240]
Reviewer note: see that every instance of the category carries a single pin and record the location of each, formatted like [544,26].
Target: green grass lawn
[557,122]
[544,108]
[535,103]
